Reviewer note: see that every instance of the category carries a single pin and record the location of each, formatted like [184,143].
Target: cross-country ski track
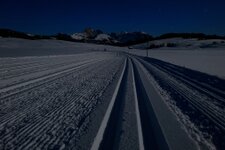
[108,101]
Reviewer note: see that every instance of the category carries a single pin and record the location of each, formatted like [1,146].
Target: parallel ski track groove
[210,91]
[7,118]
[138,117]
[49,81]
[215,115]
[99,139]
[35,68]
[33,85]
[42,125]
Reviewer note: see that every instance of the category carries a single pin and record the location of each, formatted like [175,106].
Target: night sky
[152,16]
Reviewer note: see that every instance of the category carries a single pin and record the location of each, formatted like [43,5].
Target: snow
[210,62]
[47,98]
[14,47]
[207,60]
[17,70]
[174,135]
[184,119]
[31,35]
[102,37]
[200,55]
[79,36]
[202,138]
[100,134]
[51,111]
[185,44]
[30,81]
[139,128]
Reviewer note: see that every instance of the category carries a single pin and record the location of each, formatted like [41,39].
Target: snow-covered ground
[45,102]
[192,97]
[14,47]
[77,96]
[201,55]
[207,61]
[184,44]
[17,70]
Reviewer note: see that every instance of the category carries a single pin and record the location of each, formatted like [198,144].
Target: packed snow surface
[45,101]
[206,56]
[14,47]
[101,37]
[207,61]
[55,94]
[184,44]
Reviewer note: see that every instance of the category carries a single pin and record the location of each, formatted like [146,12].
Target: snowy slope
[210,60]
[207,61]
[102,37]
[79,36]
[184,44]
[202,55]
[14,47]
[102,98]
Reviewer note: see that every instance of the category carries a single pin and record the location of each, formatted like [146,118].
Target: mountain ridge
[90,35]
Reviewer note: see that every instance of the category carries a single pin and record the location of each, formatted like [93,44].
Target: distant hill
[17,34]
[182,44]
[200,36]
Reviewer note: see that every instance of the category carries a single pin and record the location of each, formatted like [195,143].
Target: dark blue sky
[152,16]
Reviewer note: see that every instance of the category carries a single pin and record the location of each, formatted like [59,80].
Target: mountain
[90,35]
[131,38]
[120,39]
[105,38]
[79,36]
[87,34]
